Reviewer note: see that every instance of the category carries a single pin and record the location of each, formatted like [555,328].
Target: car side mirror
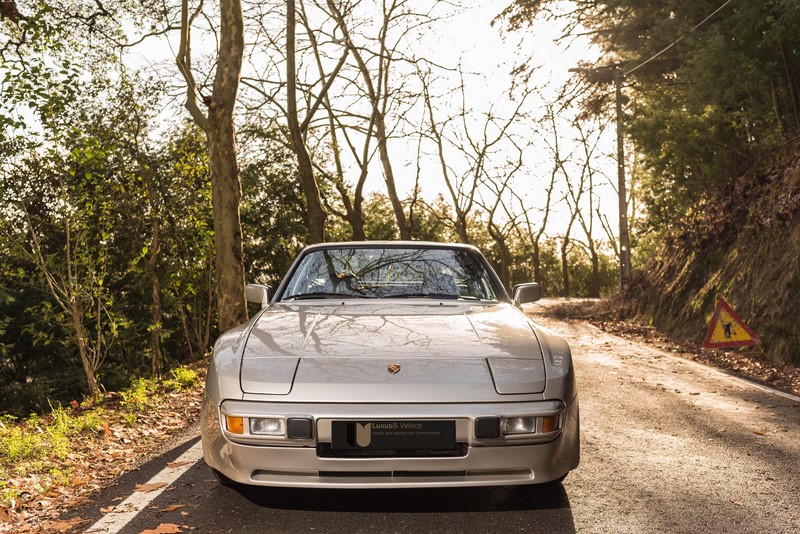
[524,293]
[257,294]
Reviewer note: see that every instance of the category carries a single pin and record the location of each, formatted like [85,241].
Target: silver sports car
[387,365]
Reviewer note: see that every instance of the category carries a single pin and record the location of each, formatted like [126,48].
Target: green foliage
[433,221]
[712,98]
[379,219]
[137,395]
[38,438]
[16,444]
[273,209]
[85,200]
[182,378]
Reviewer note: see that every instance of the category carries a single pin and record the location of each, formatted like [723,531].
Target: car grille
[324,450]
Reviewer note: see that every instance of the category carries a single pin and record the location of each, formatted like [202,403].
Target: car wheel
[225,481]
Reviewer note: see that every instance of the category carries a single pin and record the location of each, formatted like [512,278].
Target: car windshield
[391,273]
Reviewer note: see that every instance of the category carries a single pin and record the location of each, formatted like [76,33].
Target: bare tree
[305,169]
[491,198]
[217,122]
[476,146]
[375,65]
[586,216]
[534,233]
[353,205]
[75,281]
[571,197]
[151,263]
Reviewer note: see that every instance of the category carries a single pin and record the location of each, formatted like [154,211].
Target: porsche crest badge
[393,368]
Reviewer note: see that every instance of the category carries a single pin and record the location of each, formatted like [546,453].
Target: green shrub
[181,378]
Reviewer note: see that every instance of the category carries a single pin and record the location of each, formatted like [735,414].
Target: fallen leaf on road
[758,432]
[145,488]
[164,528]
[173,508]
[737,503]
[5,517]
[65,526]
[107,510]
[173,465]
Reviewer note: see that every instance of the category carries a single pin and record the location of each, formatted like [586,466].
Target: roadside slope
[741,241]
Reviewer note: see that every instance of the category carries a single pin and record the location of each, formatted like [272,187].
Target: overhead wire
[679,39]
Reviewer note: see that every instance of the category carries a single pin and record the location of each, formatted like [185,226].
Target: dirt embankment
[741,241]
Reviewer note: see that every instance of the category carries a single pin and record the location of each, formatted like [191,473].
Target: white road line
[125,511]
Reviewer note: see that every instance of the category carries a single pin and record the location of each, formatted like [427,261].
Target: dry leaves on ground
[147,488]
[96,460]
[164,528]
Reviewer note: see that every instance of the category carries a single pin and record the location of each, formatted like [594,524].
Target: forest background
[270,120]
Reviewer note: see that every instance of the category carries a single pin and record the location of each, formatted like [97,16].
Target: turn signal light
[550,423]
[235,424]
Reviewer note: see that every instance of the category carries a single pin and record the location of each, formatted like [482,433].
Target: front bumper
[502,461]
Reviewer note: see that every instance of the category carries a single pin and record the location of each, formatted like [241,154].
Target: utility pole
[624,238]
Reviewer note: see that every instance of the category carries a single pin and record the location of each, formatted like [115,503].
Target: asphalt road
[668,445]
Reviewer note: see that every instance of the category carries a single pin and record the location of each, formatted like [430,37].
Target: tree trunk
[305,170]
[461,226]
[565,267]
[224,169]
[594,283]
[794,90]
[155,286]
[8,10]
[388,175]
[151,266]
[357,222]
[76,310]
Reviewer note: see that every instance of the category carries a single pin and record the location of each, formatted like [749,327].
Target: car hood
[342,352]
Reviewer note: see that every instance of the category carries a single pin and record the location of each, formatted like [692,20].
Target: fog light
[267,426]
[487,427]
[518,425]
[550,423]
[235,424]
[299,428]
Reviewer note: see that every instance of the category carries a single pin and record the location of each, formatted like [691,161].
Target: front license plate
[389,435]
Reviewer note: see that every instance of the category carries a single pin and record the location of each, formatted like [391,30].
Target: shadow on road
[503,509]
[438,500]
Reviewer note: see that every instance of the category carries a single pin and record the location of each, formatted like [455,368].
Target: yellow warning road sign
[727,329]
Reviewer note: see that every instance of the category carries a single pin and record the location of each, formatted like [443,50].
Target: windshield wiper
[323,295]
[420,296]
